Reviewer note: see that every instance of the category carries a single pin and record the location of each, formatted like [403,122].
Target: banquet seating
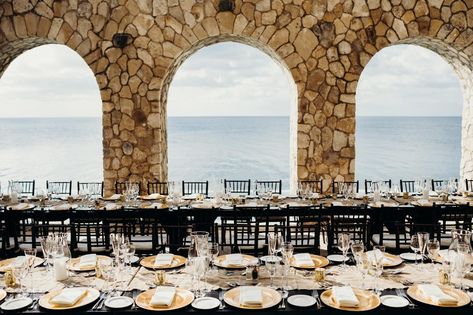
[120,187]
[157,187]
[235,237]
[469,185]
[95,189]
[315,186]
[27,187]
[407,186]
[452,217]
[237,186]
[274,185]
[336,186]
[190,188]
[436,183]
[405,230]
[304,236]
[59,188]
[369,185]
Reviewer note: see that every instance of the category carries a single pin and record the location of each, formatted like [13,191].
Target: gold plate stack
[271,298]
[177,261]
[74,264]
[368,300]
[462,298]
[182,299]
[319,262]
[248,259]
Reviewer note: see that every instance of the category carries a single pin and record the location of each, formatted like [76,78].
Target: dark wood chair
[315,186]
[189,188]
[93,188]
[469,185]
[157,187]
[407,186]
[237,186]
[369,185]
[405,230]
[59,188]
[274,185]
[120,187]
[27,187]
[304,236]
[336,185]
[435,183]
[453,217]
[237,237]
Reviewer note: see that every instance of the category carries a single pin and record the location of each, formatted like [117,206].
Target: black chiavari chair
[120,187]
[189,188]
[237,237]
[469,185]
[406,230]
[27,187]
[369,185]
[59,188]
[304,236]
[274,185]
[436,183]
[93,188]
[407,186]
[172,237]
[336,186]
[237,186]
[453,217]
[157,187]
[315,186]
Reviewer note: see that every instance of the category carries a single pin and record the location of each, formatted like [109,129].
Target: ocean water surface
[213,148]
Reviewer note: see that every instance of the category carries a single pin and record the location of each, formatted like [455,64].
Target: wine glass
[464,266]
[363,264]
[357,248]
[213,253]
[423,238]
[378,255]
[343,246]
[271,265]
[433,247]
[274,243]
[415,246]
[20,271]
[287,250]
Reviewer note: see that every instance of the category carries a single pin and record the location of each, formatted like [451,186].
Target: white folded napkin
[303,260]
[251,296]
[110,206]
[113,197]
[87,261]
[18,261]
[337,204]
[163,297]
[163,259]
[386,260]
[233,260]
[423,202]
[152,196]
[436,295]
[345,297]
[20,206]
[68,296]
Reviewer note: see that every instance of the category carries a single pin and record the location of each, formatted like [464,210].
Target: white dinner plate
[301,300]
[118,302]
[134,259]
[410,256]
[337,258]
[275,258]
[206,303]
[16,304]
[394,301]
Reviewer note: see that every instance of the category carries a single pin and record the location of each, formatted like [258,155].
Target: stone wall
[323,44]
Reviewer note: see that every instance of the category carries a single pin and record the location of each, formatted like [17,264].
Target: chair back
[315,186]
[336,186]
[237,186]
[189,188]
[369,185]
[121,187]
[157,187]
[407,186]
[59,188]
[92,188]
[26,187]
[274,185]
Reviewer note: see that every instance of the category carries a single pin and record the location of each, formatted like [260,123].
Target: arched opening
[409,115]
[50,117]
[232,113]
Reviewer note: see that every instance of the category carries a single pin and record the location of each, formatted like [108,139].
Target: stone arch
[246,40]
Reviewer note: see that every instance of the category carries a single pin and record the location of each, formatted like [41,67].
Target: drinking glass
[378,255]
[213,253]
[344,246]
[271,265]
[363,264]
[130,250]
[200,267]
[275,241]
[423,238]
[415,246]
[20,271]
[433,247]
[287,250]
[464,265]
[357,248]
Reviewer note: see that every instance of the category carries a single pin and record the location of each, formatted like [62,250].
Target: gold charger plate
[3,294]
[91,296]
[462,297]
[248,259]
[25,206]
[177,261]
[319,262]
[368,300]
[5,264]
[182,299]
[270,298]
[74,264]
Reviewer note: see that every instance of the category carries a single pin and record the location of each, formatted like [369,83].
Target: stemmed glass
[275,241]
[378,255]
[20,271]
[30,254]
[433,247]
[213,253]
[464,265]
[344,246]
[271,265]
[363,263]
[357,248]
[415,246]
[287,250]
[46,247]
[423,238]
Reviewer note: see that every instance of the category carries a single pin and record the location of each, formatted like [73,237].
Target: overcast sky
[231,79]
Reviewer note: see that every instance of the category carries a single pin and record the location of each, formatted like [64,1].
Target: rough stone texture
[323,45]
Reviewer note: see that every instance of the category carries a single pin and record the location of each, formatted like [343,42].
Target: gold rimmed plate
[319,262]
[391,260]
[177,261]
[367,300]
[462,298]
[6,263]
[182,299]
[74,264]
[22,206]
[91,296]
[247,260]
[270,296]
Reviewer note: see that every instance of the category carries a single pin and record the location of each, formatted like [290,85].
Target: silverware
[315,295]
[400,292]
[135,295]
[101,297]
[284,295]
[222,302]
[33,304]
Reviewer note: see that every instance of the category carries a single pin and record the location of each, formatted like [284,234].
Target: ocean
[213,148]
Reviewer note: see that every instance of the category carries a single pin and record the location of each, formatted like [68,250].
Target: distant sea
[212,148]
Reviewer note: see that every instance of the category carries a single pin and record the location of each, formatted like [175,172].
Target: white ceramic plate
[118,302]
[206,303]
[394,301]
[16,304]
[265,258]
[337,258]
[134,259]
[301,300]
[410,256]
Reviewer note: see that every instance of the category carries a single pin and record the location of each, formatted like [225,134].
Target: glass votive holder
[160,277]
[319,274]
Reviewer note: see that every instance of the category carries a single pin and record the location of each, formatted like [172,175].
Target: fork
[315,295]
[403,294]
[222,303]
[284,296]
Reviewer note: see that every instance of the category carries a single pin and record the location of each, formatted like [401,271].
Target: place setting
[163,261]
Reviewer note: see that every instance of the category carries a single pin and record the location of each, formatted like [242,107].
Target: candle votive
[319,274]
[160,277]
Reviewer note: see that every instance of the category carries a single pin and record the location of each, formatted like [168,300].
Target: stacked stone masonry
[323,44]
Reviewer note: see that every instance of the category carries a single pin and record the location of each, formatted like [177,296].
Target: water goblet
[271,265]
[433,247]
[423,238]
[357,248]
[344,246]
[378,255]
[415,246]
[213,253]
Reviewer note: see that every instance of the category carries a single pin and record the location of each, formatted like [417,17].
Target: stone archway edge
[324,44]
